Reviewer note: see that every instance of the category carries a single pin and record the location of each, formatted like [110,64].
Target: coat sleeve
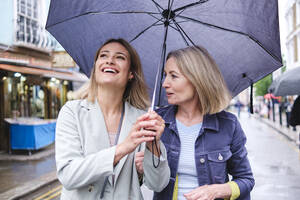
[74,170]
[156,179]
[239,165]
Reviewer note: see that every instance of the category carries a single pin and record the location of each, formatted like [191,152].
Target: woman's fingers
[139,158]
[146,124]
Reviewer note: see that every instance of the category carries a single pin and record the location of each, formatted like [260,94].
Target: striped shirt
[187,173]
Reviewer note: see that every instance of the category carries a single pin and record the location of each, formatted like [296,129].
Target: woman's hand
[139,159]
[209,192]
[159,126]
[140,132]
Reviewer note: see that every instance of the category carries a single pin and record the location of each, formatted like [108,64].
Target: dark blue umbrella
[242,36]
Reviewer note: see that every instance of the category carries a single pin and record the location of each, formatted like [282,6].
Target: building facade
[34,79]
[292,18]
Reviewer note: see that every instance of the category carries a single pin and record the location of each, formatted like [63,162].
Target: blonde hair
[136,90]
[200,69]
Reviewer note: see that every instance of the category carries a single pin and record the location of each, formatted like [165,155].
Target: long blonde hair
[136,89]
[200,69]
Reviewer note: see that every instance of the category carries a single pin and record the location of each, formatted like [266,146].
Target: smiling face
[179,89]
[112,66]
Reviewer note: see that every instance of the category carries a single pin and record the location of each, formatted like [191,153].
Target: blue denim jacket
[219,151]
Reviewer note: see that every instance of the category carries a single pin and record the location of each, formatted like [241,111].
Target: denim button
[202,160]
[220,157]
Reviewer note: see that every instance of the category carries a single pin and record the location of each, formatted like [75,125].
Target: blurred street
[274,159]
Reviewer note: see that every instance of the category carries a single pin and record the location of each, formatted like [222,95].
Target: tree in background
[261,86]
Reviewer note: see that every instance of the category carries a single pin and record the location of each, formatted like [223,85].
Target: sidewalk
[21,174]
[282,129]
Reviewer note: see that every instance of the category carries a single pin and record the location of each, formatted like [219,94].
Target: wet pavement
[274,159]
[15,173]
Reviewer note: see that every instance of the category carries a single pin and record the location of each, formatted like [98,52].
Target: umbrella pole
[160,70]
[158,84]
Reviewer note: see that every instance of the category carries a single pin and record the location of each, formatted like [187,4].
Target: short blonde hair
[201,70]
[136,90]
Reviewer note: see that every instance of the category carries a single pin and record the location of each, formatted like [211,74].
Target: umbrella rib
[157,5]
[169,9]
[168,4]
[181,34]
[107,12]
[160,19]
[238,32]
[190,5]
[169,25]
[160,24]
[164,22]
[180,12]
[184,32]
[123,12]
[143,31]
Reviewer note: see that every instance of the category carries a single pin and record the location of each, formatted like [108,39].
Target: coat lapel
[98,122]
[129,119]
[95,113]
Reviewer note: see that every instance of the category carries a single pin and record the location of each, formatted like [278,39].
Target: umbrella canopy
[286,84]
[242,36]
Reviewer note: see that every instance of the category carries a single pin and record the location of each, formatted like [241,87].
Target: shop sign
[62,59]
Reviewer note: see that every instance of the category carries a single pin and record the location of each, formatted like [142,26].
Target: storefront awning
[70,76]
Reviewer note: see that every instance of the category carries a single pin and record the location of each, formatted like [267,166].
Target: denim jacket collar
[210,121]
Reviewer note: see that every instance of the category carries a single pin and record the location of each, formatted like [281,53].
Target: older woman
[204,143]
[97,137]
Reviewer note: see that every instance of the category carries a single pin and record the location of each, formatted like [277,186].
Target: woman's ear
[130,76]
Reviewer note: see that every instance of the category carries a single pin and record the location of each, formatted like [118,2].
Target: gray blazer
[84,157]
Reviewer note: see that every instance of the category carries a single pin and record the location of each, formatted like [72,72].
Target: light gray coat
[84,157]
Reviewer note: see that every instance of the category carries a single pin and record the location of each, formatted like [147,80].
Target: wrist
[120,153]
[222,190]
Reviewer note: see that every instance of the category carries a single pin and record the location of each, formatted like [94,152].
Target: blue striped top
[187,173]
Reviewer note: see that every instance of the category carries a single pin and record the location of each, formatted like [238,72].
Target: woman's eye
[173,76]
[120,57]
[102,55]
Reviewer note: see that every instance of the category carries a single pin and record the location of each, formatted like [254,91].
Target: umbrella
[242,36]
[270,96]
[286,84]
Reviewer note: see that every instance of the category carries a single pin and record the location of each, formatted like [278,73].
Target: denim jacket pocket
[217,165]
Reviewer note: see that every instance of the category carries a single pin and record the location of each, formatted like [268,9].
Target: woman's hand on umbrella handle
[159,123]
[136,136]
[158,128]
[139,133]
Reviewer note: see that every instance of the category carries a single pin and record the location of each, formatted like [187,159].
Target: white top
[187,173]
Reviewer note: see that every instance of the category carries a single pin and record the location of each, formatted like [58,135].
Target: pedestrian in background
[288,109]
[97,137]
[239,106]
[294,119]
[204,143]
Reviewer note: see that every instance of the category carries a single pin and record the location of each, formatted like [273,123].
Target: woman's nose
[110,60]
[165,83]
